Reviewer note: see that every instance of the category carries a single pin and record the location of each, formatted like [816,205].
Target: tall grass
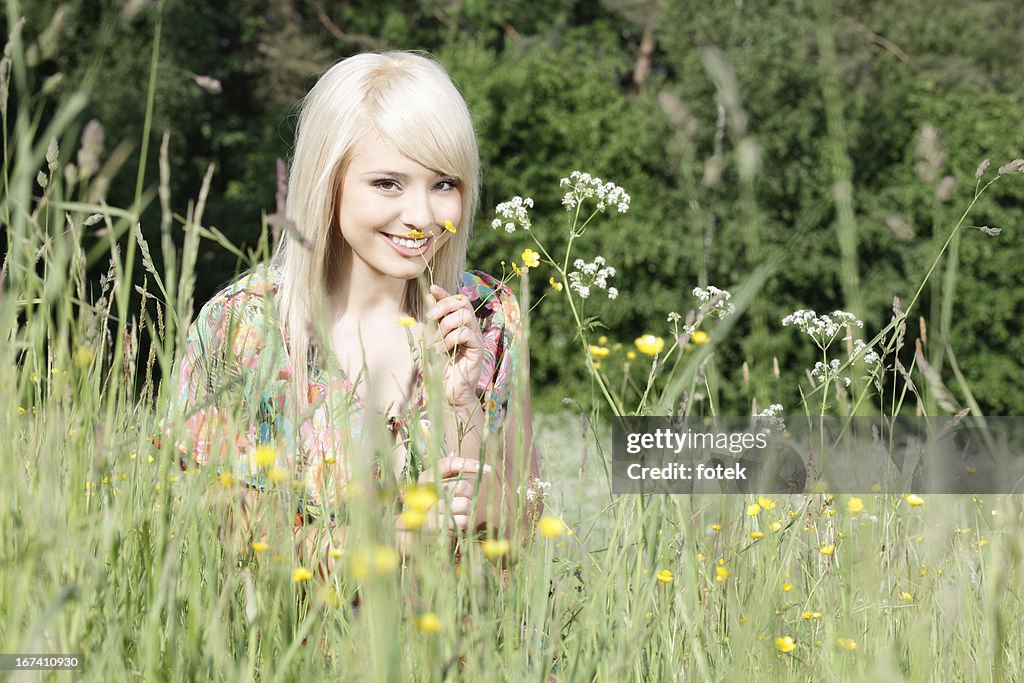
[109,549]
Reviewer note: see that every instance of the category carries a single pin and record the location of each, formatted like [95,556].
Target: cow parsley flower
[593,275]
[715,300]
[512,214]
[583,186]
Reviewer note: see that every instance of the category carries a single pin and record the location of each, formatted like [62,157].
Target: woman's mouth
[407,246]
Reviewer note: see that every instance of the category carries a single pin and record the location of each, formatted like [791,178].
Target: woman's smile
[408,247]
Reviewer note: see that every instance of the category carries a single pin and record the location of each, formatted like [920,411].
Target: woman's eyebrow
[399,175]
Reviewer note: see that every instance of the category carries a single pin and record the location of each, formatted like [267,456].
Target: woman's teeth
[408,243]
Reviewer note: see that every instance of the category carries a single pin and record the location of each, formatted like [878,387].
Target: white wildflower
[513,213]
[592,275]
[770,418]
[583,186]
[715,300]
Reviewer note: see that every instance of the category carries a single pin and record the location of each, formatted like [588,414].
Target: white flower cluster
[827,373]
[513,213]
[822,329]
[583,186]
[770,418]
[716,299]
[594,275]
[859,347]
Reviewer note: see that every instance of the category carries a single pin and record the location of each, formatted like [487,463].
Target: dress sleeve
[214,386]
[498,312]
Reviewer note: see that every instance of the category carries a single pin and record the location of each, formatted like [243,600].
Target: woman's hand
[457,477]
[460,339]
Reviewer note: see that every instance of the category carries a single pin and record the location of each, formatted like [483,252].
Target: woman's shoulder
[241,302]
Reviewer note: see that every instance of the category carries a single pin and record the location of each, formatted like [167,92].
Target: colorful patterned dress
[235,366]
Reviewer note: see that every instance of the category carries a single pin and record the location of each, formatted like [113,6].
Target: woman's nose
[417,212]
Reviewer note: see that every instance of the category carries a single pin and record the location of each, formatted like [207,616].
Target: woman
[367,287]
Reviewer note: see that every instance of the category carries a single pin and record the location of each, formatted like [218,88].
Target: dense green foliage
[732,146]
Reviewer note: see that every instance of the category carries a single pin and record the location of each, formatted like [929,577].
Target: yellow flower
[599,352]
[450,227]
[753,510]
[264,456]
[913,500]
[551,526]
[756,534]
[530,258]
[416,234]
[407,321]
[855,506]
[775,526]
[848,644]
[226,479]
[665,576]
[259,546]
[385,559]
[827,549]
[301,574]
[721,574]
[700,337]
[630,355]
[700,557]
[413,519]
[428,622]
[904,595]
[876,488]
[786,644]
[716,527]
[765,502]
[970,470]
[811,615]
[744,618]
[555,284]
[517,270]
[84,356]
[649,344]
[277,475]
[420,498]
[786,587]
[494,548]
[21,410]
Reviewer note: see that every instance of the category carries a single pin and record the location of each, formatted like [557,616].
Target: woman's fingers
[453,465]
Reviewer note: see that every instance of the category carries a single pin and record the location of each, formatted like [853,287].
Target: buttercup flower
[722,574]
[598,352]
[827,549]
[786,644]
[913,500]
[855,506]
[649,344]
[494,548]
[407,321]
[450,227]
[756,534]
[301,574]
[416,234]
[413,519]
[428,622]
[264,456]
[848,644]
[700,337]
[531,258]
[551,526]
[515,269]
[259,546]
[420,498]
[555,284]
[665,576]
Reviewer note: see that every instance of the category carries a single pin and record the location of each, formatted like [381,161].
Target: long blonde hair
[410,101]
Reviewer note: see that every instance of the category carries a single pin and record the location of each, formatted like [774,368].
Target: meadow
[111,550]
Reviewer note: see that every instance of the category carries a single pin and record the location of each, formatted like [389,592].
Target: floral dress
[235,372]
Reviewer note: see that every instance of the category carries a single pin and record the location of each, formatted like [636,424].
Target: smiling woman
[367,287]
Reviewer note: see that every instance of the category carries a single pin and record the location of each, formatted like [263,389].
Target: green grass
[108,549]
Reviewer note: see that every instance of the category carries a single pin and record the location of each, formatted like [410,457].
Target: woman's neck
[359,292]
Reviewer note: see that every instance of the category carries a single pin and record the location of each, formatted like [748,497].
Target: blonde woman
[365,288]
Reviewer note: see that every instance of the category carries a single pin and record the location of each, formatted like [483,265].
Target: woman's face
[385,198]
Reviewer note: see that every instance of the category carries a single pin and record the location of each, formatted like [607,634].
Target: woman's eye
[449,184]
[386,184]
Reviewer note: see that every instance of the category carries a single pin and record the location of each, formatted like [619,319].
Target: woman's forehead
[373,154]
